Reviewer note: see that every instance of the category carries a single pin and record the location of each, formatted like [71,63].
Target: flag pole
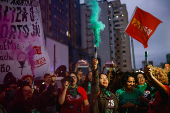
[134,64]
[146,58]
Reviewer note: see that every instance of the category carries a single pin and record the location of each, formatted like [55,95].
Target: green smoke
[96,25]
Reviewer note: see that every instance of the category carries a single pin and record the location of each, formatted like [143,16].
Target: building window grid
[124,61]
[58,9]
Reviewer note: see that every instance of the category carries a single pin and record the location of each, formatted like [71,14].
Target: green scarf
[142,87]
[108,94]
[73,91]
[89,87]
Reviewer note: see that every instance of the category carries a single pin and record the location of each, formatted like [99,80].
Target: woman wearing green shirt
[129,96]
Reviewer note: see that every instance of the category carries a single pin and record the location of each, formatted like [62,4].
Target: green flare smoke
[96,25]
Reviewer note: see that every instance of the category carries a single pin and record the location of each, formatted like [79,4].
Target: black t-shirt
[48,98]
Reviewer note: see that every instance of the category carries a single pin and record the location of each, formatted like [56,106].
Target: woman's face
[141,79]
[130,83]
[83,78]
[90,76]
[104,80]
[27,92]
[75,78]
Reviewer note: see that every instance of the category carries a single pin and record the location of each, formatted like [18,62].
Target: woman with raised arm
[73,97]
[159,79]
[103,100]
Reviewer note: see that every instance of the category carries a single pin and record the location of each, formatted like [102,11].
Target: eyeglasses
[104,78]
[140,77]
[74,77]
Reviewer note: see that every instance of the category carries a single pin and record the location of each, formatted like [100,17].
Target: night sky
[159,42]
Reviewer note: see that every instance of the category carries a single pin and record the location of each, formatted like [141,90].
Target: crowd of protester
[92,92]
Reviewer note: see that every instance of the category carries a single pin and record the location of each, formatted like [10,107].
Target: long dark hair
[99,80]
[19,95]
[85,84]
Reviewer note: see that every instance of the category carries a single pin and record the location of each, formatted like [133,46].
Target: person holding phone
[73,97]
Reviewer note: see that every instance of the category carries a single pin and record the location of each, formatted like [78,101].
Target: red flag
[142,26]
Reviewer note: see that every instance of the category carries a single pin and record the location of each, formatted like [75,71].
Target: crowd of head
[92,92]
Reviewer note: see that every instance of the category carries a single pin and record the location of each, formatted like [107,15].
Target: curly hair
[126,76]
[160,74]
[25,76]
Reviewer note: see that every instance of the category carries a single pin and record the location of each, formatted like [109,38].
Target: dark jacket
[102,100]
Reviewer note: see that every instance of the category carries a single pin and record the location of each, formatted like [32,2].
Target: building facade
[74,24]
[57,20]
[114,45]
[122,40]
[55,26]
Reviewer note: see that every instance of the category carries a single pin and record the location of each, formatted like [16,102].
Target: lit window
[67,33]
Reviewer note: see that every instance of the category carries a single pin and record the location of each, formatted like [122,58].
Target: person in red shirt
[159,79]
[73,97]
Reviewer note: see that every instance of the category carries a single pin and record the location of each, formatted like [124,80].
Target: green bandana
[108,94]
[73,91]
[142,87]
[89,87]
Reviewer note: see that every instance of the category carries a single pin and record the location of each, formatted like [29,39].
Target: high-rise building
[123,51]
[57,27]
[62,30]
[44,13]
[113,46]
[74,29]
[54,15]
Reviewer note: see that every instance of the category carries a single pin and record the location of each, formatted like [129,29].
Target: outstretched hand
[148,72]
